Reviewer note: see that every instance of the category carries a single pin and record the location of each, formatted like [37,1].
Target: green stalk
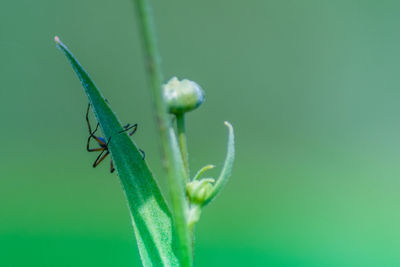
[181,126]
[171,154]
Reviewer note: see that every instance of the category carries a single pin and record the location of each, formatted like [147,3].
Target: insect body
[103,144]
[101,141]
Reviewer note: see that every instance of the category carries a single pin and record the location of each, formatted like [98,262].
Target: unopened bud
[182,96]
[199,191]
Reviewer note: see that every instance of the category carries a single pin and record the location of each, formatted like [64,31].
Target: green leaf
[151,217]
[228,164]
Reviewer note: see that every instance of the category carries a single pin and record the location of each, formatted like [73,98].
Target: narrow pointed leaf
[228,164]
[151,217]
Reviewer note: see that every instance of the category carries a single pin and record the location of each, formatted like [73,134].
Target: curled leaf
[203,170]
[227,168]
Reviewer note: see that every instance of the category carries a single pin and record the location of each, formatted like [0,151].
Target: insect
[103,143]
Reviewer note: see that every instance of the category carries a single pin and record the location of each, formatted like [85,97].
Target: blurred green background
[311,87]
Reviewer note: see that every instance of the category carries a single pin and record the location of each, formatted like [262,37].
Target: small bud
[199,191]
[182,96]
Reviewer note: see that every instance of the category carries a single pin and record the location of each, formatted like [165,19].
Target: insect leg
[100,158]
[112,169]
[87,119]
[128,127]
[143,154]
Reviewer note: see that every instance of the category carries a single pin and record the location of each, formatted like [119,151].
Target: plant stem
[181,125]
[171,156]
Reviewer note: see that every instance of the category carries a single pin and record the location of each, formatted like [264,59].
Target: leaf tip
[228,124]
[56,39]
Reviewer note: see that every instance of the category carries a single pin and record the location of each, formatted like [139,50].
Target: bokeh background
[311,87]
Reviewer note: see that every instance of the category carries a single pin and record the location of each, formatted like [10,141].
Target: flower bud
[182,96]
[200,191]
